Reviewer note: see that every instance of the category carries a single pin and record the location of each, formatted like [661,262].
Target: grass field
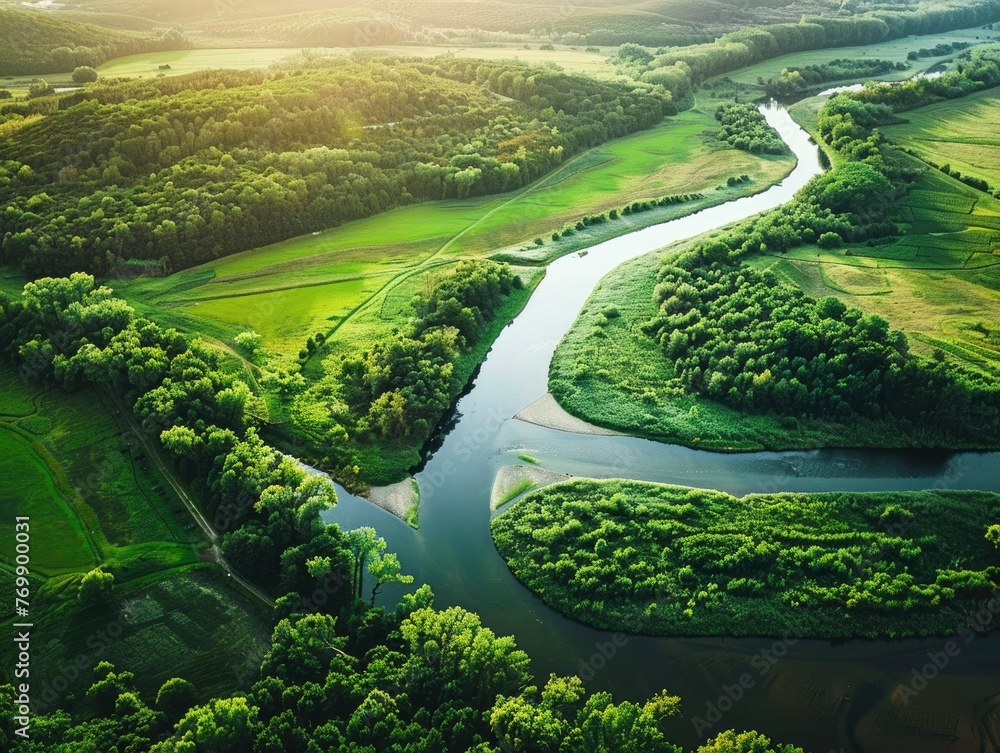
[94,500]
[317,282]
[962,134]
[70,466]
[894,50]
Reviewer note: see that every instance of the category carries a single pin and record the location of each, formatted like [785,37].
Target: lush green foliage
[411,679]
[339,673]
[36,42]
[397,391]
[668,560]
[747,46]
[792,81]
[744,127]
[195,167]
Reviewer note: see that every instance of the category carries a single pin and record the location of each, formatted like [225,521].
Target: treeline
[792,81]
[664,560]
[191,168]
[938,50]
[745,47]
[636,207]
[397,391]
[340,673]
[35,42]
[744,127]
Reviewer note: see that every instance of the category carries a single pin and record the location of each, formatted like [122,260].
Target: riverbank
[545,411]
[514,480]
[402,499]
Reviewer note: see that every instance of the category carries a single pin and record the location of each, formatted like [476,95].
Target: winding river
[821,696]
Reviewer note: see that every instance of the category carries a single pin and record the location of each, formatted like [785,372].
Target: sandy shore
[545,411]
[511,476]
[395,498]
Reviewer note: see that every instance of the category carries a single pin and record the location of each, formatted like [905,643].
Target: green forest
[667,560]
[191,168]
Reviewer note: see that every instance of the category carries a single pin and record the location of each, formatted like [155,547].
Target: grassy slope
[666,560]
[962,134]
[94,501]
[290,290]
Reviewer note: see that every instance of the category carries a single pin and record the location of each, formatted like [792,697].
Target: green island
[241,237]
[667,560]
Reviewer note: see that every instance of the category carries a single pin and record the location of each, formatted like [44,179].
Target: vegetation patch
[664,560]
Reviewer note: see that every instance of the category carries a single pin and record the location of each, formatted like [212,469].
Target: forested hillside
[205,165]
[34,42]
[191,168]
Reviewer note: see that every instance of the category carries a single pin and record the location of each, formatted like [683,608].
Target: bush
[829,240]
[84,74]
[39,88]
[96,586]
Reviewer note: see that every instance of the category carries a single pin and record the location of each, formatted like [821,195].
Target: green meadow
[962,134]
[317,282]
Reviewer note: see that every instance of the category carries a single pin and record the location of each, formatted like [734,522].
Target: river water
[821,696]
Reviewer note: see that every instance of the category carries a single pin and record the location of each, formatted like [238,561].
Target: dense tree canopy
[662,560]
[194,167]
